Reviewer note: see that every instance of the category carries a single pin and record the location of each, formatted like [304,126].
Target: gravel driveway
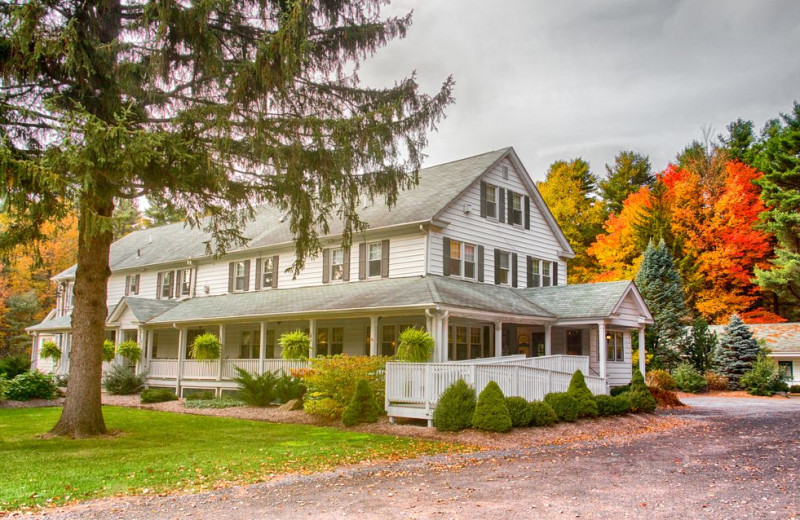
[740,459]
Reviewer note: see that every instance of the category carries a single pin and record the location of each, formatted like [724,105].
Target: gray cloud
[588,78]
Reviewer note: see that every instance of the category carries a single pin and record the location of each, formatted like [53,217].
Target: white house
[472,254]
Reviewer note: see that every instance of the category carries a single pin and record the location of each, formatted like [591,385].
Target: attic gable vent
[505,172]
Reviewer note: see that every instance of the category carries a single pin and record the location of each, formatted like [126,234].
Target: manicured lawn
[157,451]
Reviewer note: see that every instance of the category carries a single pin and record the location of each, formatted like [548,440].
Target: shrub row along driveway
[740,460]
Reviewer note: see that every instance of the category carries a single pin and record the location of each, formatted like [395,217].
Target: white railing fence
[423,383]
[167,368]
[559,363]
[210,370]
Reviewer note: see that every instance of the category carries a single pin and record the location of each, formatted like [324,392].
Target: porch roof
[588,300]
[390,293]
[143,309]
[60,324]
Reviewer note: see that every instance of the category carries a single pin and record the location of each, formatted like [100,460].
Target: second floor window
[167,282]
[516,209]
[337,264]
[186,282]
[132,284]
[267,272]
[239,276]
[504,268]
[491,201]
[462,259]
[374,260]
[547,280]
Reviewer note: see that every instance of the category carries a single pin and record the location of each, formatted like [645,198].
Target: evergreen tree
[21,311]
[630,172]
[213,106]
[159,213]
[741,143]
[127,217]
[654,224]
[701,346]
[780,162]
[737,351]
[660,284]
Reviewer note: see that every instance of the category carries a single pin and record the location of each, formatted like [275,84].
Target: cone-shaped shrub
[564,405]
[737,351]
[587,407]
[606,405]
[362,408]
[521,414]
[491,413]
[542,414]
[622,404]
[455,408]
[639,395]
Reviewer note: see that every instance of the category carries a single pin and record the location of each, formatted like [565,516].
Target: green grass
[157,452]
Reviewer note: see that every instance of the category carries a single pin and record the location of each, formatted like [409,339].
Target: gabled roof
[781,338]
[143,309]
[588,300]
[60,324]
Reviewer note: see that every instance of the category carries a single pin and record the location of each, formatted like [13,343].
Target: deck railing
[423,383]
[559,363]
[210,370]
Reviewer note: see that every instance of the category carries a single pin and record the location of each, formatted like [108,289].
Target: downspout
[427,245]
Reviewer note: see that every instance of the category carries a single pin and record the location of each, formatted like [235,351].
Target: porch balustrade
[209,370]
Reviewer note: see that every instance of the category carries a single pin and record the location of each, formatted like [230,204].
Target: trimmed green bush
[661,379]
[288,388]
[688,379]
[3,385]
[415,346]
[120,380]
[295,345]
[622,404]
[206,347]
[109,351]
[50,350]
[640,397]
[619,390]
[256,390]
[564,405]
[158,395]
[542,414]
[12,366]
[606,405]
[362,408]
[795,389]
[587,407]
[455,408]
[132,352]
[765,378]
[31,385]
[332,380]
[204,395]
[491,413]
[521,414]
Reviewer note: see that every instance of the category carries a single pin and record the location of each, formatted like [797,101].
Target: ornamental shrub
[203,395]
[120,380]
[332,380]
[542,414]
[606,405]
[521,414]
[737,351]
[688,379]
[564,405]
[158,395]
[50,350]
[794,389]
[665,397]
[587,407]
[765,378]
[288,388]
[255,390]
[132,352]
[640,397]
[206,347]
[31,385]
[455,408]
[362,408]
[715,382]
[618,390]
[109,350]
[415,345]
[12,366]
[3,386]
[295,345]
[661,379]
[622,404]
[491,413]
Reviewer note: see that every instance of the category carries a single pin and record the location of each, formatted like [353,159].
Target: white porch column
[149,346]
[642,351]
[312,331]
[498,339]
[140,341]
[548,340]
[444,323]
[35,351]
[601,347]
[262,347]
[221,351]
[117,341]
[373,335]
[182,338]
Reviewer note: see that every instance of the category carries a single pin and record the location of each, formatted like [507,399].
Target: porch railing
[559,363]
[210,370]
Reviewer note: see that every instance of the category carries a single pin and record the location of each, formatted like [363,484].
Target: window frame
[253,345]
[186,282]
[787,369]
[334,274]
[167,279]
[266,283]
[501,270]
[615,346]
[547,274]
[133,284]
[516,213]
[239,277]
[372,262]
[491,205]
[459,266]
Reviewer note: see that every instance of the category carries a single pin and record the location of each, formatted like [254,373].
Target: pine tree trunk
[82,415]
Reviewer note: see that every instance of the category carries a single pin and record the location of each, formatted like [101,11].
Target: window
[504,268]
[466,343]
[491,201]
[469,261]
[516,209]
[337,264]
[388,340]
[186,282]
[239,277]
[787,370]
[330,341]
[546,278]
[462,259]
[191,335]
[267,272]
[269,351]
[167,279]
[615,346]
[455,258]
[133,284]
[575,342]
[250,344]
[461,343]
[536,272]
[374,260]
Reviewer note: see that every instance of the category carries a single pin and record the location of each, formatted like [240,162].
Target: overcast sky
[563,79]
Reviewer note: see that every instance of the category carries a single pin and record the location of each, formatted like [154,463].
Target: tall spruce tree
[701,346]
[780,162]
[629,173]
[214,106]
[660,285]
[737,351]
